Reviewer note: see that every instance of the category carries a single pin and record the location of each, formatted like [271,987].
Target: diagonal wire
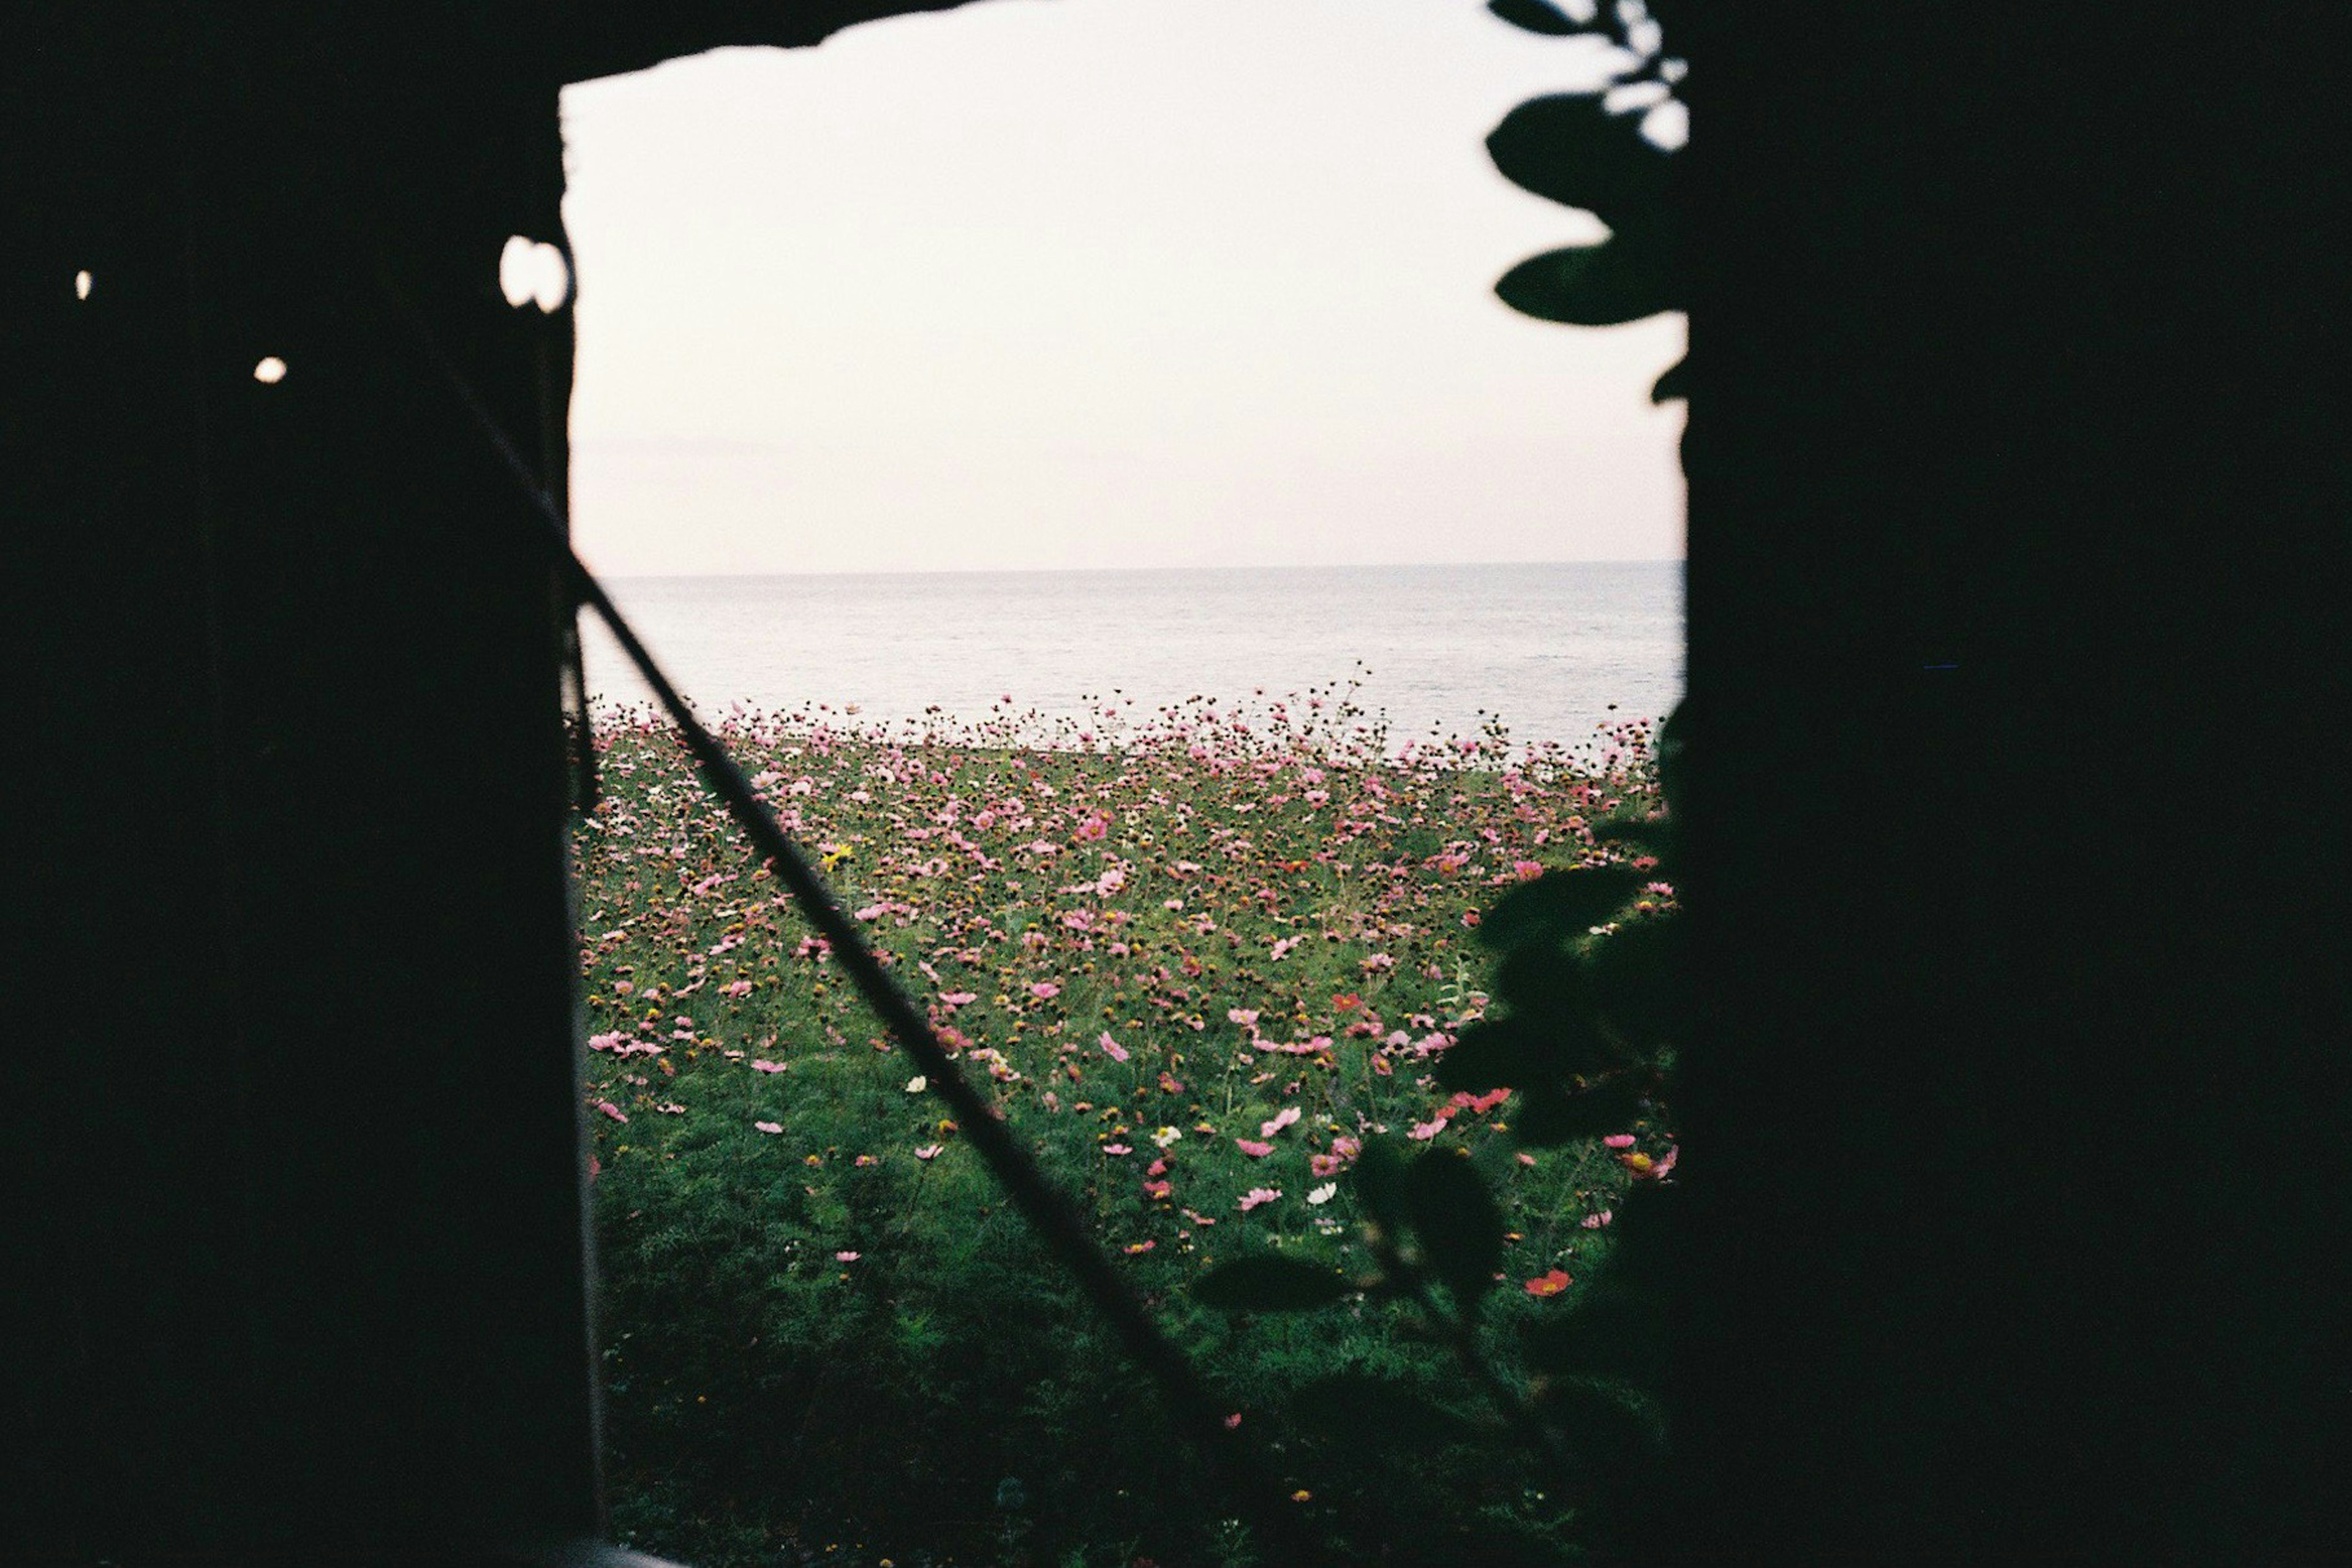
[1055,1220]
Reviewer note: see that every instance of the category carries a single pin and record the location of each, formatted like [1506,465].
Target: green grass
[771,1398]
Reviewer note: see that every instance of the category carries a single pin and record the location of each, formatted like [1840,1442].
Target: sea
[1555,653]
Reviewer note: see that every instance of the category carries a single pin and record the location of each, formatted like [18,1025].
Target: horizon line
[1114,570]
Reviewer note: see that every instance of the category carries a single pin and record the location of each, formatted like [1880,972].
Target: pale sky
[1095,283]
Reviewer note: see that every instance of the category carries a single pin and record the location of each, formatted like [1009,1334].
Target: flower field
[1200,956]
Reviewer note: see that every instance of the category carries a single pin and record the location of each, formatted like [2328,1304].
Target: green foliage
[1268,1283]
[1558,908]
[1459,1224]
[1604,285]
[1535,15]
[1568,148]
[767,1395]
[1588,149]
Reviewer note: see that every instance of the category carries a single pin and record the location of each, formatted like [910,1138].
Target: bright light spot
[533,272]
[82,285]
[270,370]
[514,269]
[1633,95]
[1668,125]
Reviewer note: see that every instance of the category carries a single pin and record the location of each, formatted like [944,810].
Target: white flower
[1166,1136]
[1324,1193]
[917,1084]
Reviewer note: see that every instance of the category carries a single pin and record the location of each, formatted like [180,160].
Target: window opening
[649,1022]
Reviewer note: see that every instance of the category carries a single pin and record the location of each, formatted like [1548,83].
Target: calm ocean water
[1547,647]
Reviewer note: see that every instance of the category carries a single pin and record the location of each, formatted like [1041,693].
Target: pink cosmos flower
[1118,1149]
[1045,991]
[1618,1140]
[1424,1131]
[844,1256]
[769,1126]
[1256,1195]
[1595,1221]
[1111,1047]
[1156,1189]
[1254,1150]
[736,988]
[929,1151]
[759,1066]
[1282,1119]
[613,1111]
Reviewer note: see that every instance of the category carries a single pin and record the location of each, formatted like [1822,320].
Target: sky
[1095,283]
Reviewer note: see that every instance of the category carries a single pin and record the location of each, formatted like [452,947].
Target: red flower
[1550,1283]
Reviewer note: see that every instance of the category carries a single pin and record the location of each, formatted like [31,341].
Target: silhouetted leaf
[1549,1117]
[1672,386]
[1569,148]
[1575,1045]
[1460,1227]
[1674,752]
[1535,17]
[1640,976]
[1378,1177]
[1630,829]
[1611,1332]
[1358,1406]
[1545,987]
[1491,1053]
[1269,1284]
[1604,1416]
[1604,285]
[1557,905]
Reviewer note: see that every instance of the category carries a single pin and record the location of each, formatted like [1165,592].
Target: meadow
[1200,956]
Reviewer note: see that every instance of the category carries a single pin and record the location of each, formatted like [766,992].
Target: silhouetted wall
[2017,498]
[2011,1206]
[294,1221]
